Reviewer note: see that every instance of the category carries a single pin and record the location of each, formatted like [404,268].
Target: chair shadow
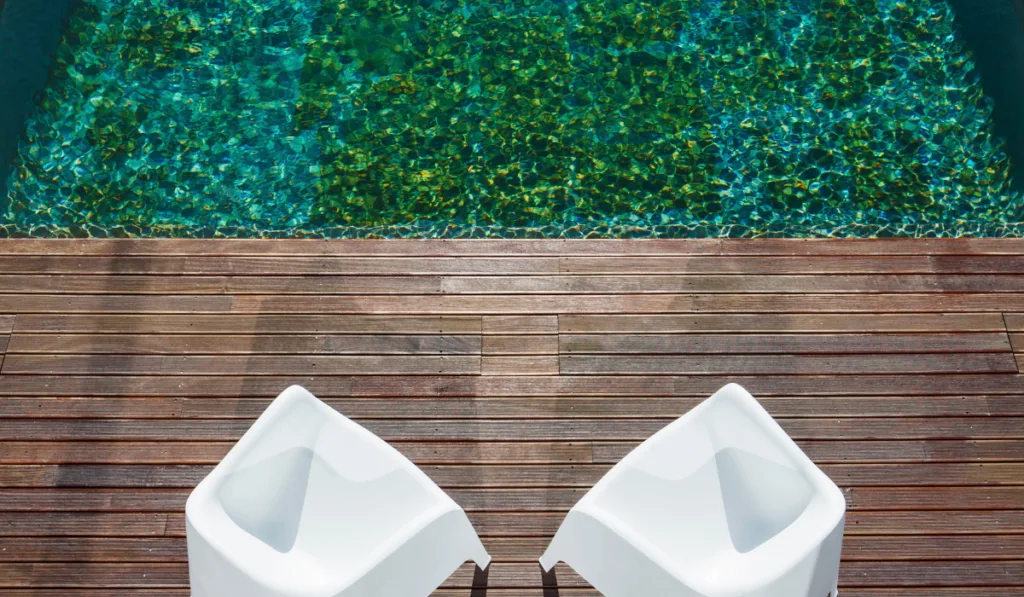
[549,582]
[479,582]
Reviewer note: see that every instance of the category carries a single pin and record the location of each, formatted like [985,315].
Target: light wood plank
[519,345]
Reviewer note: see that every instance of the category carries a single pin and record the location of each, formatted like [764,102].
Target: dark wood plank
[251,324]
[503,549]
[395,430]
[508,575]
[510,475]
[122,452]
[198,344]
[110,364]
[547,304]
[778,343]
[779,323]
[267,284]
[745,364]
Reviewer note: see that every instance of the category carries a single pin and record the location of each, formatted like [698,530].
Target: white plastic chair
[721,503]
[310,504]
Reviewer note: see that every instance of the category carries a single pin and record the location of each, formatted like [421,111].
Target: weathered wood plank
[234,265]
[505,265]
[1014,322]
[122,452]
[520,365]
[779,323]
[250,324]
[509,475]
[504,407]
[745,364]
[7,324]
[197,344]
[931,264]
[113,303]
[503,549]
[1017,342]
[548,304]
[837,428]
[781,343]
[520,324]
[341,284]
[211,452]
[111,364]
[518,345]
[538,591]
[762,386]
[627,282]
[507,575]
[83,524]
[555,247]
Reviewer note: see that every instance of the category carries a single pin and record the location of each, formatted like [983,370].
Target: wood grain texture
[515,373]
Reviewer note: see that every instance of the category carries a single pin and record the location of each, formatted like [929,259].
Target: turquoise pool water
[526,118]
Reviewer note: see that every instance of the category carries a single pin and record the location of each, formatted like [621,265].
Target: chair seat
[310,504]
[720,503]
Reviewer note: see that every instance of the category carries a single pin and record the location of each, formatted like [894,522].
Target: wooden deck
[515,373]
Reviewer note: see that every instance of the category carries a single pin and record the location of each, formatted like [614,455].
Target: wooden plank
[7,324]
[119,303]
[265,284]
[623,283]
[503,549]
[930,264]
[538,591]
[557,247]
[510,475]
[83,524]
[338,284]
[211,452]
[48,364]
[394,430]
[4,342]
[992,497]
[781,343]
[745,364]
[520,324]
[778,323]
[518,345]
[503,407]
[1014,322]
[550,304]
[762,386]
[569,324]
[198,344]
[253,324]
[501,265]
[520,365]
[321,265]
[1017,341]
[507,575]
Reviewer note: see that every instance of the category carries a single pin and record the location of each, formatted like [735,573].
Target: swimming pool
[511,118]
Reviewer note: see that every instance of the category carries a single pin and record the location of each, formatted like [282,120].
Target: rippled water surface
[524,118]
